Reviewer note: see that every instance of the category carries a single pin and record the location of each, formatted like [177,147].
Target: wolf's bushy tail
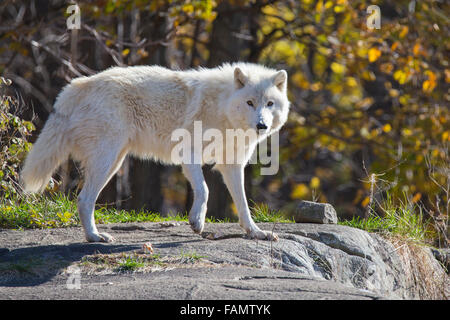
[47,153]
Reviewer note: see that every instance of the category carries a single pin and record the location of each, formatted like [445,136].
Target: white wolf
[100,119]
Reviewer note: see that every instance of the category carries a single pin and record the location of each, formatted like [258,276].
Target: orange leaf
[373,54]
[416,197]
[430,84]
[416,49]
[365,202]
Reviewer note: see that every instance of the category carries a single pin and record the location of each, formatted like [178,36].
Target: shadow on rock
[33,266]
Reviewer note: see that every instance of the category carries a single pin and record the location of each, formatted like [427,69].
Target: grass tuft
[404,219]
[129,262]
[262,213]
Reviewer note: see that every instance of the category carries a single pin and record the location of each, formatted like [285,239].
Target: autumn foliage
[370,107]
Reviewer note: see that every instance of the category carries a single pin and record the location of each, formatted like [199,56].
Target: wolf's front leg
[233,175]
[194,174]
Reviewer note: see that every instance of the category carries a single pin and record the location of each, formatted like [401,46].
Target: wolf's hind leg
[194,174]
[233,176]
[98,172]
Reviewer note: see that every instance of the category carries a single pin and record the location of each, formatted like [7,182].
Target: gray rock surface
[310,261]
[314,212]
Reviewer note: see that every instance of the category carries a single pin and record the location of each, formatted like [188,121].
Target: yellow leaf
[316,86]
[387,127]
[338,9]
[299,191]
[400,76]
[394,46]
[393,93]
[446,136]
[300,80]
[373,54]
[351,82]
[430,84]
[314,183]
[407,132]
[404,99]
[369,75]
[337,68]
[125,52]
[233,208]
[188,8]
[319,5]
[404,32]
[435,153]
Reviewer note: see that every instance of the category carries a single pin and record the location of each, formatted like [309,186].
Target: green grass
[262,213]
[403,219]
[32,211]
[191,256]
[137,262]
[58,210]
[370,224]
[130,264]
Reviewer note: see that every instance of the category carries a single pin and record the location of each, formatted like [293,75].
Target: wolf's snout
[261,126]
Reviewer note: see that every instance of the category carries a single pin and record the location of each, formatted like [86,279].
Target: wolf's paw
[100,237]
[263,235]
[196,225]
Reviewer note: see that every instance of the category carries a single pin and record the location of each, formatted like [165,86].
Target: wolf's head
[259,100]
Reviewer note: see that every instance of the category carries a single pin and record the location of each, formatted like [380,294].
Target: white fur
[98,120]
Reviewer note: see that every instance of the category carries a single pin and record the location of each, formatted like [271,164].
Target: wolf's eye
[250,103]
[270,103]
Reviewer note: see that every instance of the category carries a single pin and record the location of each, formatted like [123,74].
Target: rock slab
[310,261]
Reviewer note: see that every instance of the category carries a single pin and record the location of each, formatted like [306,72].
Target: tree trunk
[145,175]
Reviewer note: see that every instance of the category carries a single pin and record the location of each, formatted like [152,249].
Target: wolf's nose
[261,126]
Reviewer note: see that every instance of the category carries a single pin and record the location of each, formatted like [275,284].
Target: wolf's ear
[240,79]
[280,80]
